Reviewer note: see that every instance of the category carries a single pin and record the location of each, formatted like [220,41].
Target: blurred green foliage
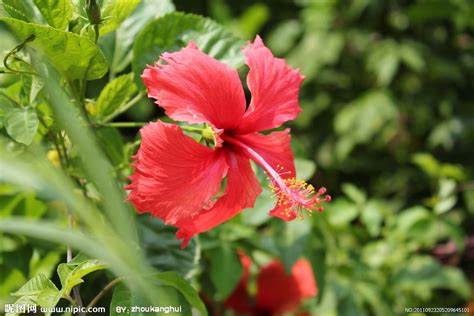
[387,126]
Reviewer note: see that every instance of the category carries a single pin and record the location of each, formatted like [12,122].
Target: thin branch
[124,124]
[110,285]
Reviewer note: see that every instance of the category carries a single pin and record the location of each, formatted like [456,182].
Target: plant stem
[110,285]
[124,124]
[70,220]
[15,50]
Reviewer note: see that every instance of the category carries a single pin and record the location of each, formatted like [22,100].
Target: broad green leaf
[112,142]
[421,275]
[173,31]
[125,302]
[384,61]
[341,212]
[174,280]
[56,12]
[305,168]
[114,96]
[372,216]
[372,115]
[225,270]
[372,295]
[354,193]
[35,286]
[22,124]
[117,46]
[19,9]
[114,12]
[427,163]
[259,213]
[468,196]
[122,301]
[291,240]
[163,249]
[75,56]
[72,274]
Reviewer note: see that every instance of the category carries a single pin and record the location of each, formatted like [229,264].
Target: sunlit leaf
[74,55]
[22,124]
[173,31]
[56,12]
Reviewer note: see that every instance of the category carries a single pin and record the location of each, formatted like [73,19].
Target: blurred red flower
[277,291]
[179,180]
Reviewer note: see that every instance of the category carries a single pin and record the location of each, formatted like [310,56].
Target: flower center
[294,196]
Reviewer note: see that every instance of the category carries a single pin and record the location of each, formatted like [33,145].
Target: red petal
[195,88]
[274,87]
[275,148]
[303,274]
[241,191]
[297,286]
[175,177]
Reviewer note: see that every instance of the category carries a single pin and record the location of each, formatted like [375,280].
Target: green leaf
[34,286]
[423,274]
[371,115]
[40,290]
[427,163]
[372,217]
[163,249]
[75,56]
[174,280]
[114,96]
[19,9]
[173,31]
[117,46]
[259,213]
[292,238]
[225,270]
[341,212]
[354,193]
[56,12]
[21,124]
[72,274]
[124,300]
[384,61]
[468,196]
[305,168]
[121,298]
[114,12]
[112,142]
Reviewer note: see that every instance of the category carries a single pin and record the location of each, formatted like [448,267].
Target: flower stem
[110,285]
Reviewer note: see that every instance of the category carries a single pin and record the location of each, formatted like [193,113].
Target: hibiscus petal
[275,149]
[298,286]
[241,191]
[274,87]
[194,87]
[175,177]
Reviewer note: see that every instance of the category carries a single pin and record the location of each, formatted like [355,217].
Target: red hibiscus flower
[179,180]
[277,292]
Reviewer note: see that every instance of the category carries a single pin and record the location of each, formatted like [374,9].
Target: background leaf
[22,124]
[174,30]
[114,96]
[56,12]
